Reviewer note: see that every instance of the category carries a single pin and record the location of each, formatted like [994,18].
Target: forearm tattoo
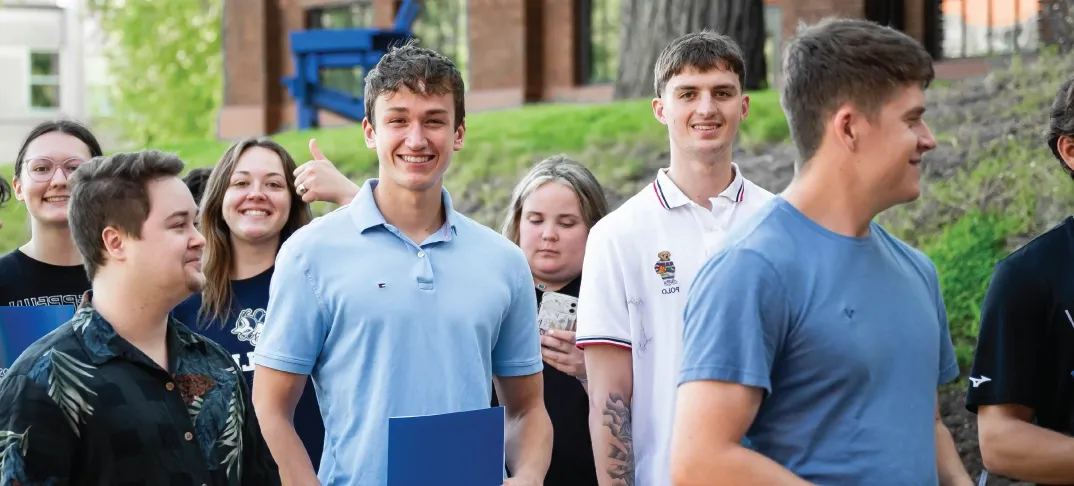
[621,447]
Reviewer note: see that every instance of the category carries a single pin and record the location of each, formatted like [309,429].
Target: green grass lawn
[613,139]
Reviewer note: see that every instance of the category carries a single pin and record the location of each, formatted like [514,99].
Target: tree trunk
[649,25]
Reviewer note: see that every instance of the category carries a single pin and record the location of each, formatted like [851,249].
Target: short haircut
[1061,121]
[113,191]
[841,61]
[562,170]
[195,181]
[423,71]
[703,51]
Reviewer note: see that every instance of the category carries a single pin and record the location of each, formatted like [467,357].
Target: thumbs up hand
[319,180]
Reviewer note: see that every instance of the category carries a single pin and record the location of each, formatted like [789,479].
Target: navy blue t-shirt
[239,337]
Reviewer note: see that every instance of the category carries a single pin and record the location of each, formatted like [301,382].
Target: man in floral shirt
[122,394]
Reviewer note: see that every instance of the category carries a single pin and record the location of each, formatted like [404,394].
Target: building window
[355,15]
[44,80]
[978,28]
[441,25]
[598,40]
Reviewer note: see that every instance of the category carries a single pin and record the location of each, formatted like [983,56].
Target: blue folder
[454,449]
[22,326]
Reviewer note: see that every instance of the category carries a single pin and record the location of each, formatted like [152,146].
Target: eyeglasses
[42,169]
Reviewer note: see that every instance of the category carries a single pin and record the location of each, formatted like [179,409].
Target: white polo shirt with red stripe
[639,262]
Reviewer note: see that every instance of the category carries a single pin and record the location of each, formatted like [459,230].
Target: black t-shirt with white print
[25,281]
[1025,349]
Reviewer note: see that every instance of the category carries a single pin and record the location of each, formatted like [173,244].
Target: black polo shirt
[1025,350]
[84,406]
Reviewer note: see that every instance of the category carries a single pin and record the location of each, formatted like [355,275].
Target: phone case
[558,311]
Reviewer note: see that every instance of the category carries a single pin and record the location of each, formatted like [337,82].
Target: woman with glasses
[47,270]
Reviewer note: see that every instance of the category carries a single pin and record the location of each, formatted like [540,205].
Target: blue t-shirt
[847,336]
[240,335]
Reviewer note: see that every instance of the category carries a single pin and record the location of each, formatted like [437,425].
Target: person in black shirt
[48,269]
[250,208]
[123,393]
[1021,384]
[551,212]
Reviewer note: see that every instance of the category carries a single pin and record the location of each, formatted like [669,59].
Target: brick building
[520,51]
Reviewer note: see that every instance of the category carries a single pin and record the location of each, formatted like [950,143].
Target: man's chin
[196,283]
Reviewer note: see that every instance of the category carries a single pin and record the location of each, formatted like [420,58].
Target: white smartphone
[557,311]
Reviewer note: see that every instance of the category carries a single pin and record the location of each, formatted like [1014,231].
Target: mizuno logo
[977,381]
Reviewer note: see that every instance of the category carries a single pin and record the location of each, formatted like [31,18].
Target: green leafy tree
[166,61]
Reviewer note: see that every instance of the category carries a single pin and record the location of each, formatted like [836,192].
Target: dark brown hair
[841,61]
[703,51]
[113,191]
[1061,121]
[67,127]
[420,70]
[217,295]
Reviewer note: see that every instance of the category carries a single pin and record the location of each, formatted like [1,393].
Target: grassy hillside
[616,140]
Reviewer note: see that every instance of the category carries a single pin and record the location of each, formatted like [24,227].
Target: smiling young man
[816,306]
[396,305]
[123,394]
[1020,385]
[640,259]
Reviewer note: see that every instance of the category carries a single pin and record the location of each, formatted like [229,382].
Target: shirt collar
[366,214]
[669,196]
[102,343]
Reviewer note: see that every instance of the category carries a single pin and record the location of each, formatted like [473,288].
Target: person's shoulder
[632,218]
[484,240]
[211,349]
[1045,253]
[10,266]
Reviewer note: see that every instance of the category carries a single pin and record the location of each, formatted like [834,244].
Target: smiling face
[415,137]
[167,257]
[892,146]
[42,181]
[702,110]
[257,202]
[552,233]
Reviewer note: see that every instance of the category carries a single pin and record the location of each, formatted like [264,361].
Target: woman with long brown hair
[247,212]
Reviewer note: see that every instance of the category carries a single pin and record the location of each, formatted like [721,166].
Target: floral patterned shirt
[84,406]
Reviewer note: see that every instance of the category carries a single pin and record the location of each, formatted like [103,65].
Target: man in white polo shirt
[641,258]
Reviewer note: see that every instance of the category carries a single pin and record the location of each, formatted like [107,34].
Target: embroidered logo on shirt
[977,381]
[665,268]
[249,324]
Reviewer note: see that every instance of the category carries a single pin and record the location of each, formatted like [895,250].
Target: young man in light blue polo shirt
[814,333]
[396,305]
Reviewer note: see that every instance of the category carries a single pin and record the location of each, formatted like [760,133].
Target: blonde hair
[565,171]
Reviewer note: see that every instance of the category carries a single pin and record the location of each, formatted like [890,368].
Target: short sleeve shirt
[83,403]
[639,264]
[1025,347]
[389,327]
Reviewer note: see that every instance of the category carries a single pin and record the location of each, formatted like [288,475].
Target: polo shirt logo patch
[665,268]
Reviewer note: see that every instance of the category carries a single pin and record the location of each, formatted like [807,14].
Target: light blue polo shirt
[388,328]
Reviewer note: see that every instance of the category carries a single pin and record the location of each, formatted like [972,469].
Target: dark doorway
[891,13]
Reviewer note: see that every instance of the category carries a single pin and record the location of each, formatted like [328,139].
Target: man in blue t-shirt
[815,334]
